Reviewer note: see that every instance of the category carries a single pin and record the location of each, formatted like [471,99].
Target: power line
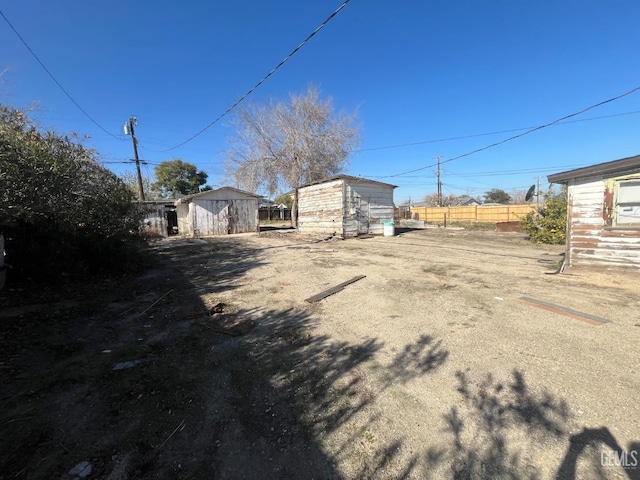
[501,172]
[477,150]
[55,80]
[264,79]
[512,172]
[463,137]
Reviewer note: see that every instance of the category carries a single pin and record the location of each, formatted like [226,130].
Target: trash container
[389,229]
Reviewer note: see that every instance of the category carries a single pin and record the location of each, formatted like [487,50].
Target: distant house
[217,212]
[603,217]
[469,202]
[273,211]
[345,206]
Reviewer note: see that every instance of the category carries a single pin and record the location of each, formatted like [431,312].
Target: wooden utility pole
[538,195]
[129,130]
[439,183]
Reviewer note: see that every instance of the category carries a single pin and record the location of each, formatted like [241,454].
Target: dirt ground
[212,365]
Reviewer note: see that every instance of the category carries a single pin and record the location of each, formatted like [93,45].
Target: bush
[61,211]
[548,225]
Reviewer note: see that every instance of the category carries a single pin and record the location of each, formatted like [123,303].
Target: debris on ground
[332,290]
[129,364]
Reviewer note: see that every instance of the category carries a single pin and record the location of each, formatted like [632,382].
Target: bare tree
[284,145]
[432,200]
[518,196]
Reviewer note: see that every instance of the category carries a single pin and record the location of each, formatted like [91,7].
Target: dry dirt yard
[212,365]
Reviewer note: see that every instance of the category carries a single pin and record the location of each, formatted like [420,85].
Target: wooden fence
[475,213]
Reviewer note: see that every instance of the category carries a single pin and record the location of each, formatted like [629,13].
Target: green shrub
[548,224]
[64,215]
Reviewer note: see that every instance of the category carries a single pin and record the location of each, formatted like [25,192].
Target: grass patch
[480,226]
[435,270]
[555,266]
[296,335]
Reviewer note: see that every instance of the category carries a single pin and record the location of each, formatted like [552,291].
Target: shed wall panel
[345,207]
[155,221]
[221,217]
[368,206]
[185,223]
[590,242]
[320,208]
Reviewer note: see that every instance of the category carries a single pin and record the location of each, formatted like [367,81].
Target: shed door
[359,212]
[233,217]
[363,216]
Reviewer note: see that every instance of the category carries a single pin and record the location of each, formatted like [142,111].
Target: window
[627,206]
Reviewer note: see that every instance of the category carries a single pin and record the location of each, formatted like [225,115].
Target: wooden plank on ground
[585,317]
[332,290]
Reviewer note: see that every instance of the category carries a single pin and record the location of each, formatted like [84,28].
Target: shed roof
[347,177]
[616,166]
[188,198]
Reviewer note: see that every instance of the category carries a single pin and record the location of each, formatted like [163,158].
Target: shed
[345,206]
[160,218]
[217,212]
[603,214]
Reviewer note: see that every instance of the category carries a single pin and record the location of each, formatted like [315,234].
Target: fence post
[445,220]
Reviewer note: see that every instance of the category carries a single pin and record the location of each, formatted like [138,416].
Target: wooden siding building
[217,212]
[603,214]
[345,206]
[160,218]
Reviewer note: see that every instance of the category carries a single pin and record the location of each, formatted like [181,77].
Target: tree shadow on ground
[296,389]
[488,428]
[416,359]
[61,399]
[480,430]
[190,402]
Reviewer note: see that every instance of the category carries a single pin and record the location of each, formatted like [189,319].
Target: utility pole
[129,130]
[538,195]
[439,183]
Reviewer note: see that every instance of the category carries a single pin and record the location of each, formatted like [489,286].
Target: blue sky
[416,71]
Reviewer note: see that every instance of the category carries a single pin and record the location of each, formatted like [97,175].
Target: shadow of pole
[616,456]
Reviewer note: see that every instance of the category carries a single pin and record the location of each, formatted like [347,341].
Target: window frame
[619,183]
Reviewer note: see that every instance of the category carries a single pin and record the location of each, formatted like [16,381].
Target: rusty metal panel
[607,209]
